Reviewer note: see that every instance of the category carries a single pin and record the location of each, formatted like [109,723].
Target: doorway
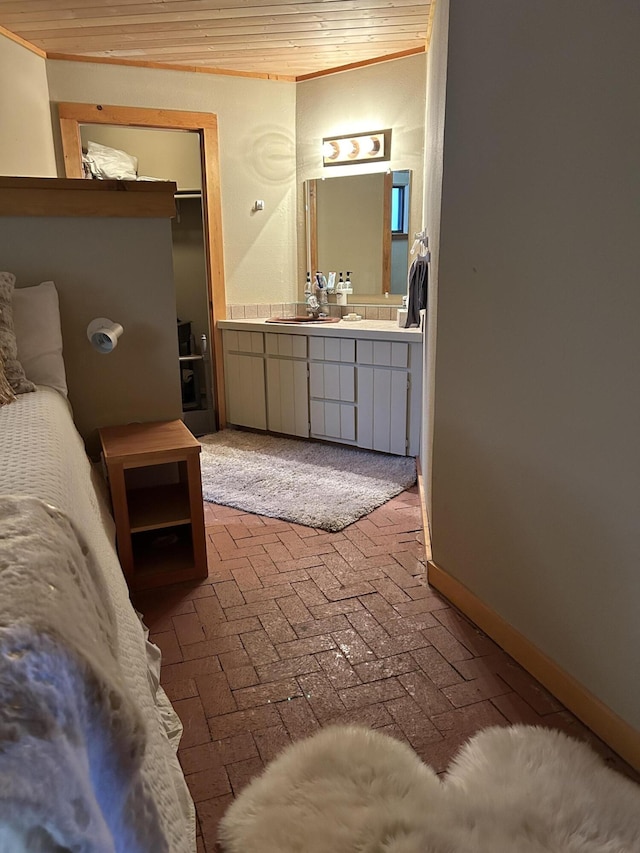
[75,122]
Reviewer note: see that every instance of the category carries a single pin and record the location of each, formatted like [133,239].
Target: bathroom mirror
[360,224]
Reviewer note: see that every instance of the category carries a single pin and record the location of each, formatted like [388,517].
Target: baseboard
[423,507]
[613,730]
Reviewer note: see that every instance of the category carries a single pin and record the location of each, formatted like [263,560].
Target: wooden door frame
[72,115]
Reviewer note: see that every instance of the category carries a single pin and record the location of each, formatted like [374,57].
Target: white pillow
[106,162]
[36,320]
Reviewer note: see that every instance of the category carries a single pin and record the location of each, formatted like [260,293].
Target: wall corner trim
[23,42]
[613,730]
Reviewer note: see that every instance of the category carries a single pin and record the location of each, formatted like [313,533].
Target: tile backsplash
[290,309]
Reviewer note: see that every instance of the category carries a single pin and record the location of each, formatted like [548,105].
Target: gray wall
[536,468]
[433,164]
[115,268]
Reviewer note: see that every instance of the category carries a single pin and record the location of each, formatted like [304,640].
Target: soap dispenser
[341,295]
[347,284]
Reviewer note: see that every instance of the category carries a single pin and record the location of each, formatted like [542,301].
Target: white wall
[536,468]
[256,121]
[26,141]
[388,94]
[433,160]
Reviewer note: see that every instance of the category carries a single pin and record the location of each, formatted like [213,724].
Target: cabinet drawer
[332,381]
[332,349]
[383,353]
[235,341]
[288,346]
[333,420]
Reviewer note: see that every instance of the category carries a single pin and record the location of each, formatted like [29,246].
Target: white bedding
[42,455]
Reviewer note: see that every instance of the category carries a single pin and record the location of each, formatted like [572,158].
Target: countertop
[387,330]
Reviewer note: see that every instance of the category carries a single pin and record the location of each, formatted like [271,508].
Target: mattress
[42,455]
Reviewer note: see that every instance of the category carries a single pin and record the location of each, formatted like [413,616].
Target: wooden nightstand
[156,493]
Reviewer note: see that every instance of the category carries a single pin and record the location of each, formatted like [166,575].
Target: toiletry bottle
[307,287]
[340,283]
[347,283]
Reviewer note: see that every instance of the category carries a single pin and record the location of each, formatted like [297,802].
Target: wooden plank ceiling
[289,38]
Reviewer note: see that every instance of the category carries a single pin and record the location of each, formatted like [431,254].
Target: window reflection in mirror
[360,224]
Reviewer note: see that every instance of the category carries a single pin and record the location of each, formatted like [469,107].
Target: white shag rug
[521,789]
[311,483]
[345,789]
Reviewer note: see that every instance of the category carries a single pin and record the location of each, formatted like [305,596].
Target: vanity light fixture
[356,148]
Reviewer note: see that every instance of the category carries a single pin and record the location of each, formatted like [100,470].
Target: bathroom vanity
[356,383]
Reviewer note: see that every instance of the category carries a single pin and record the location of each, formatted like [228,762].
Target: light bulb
[370,146]
[348,149]
[330,150]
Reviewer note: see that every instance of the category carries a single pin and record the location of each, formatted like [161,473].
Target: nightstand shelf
[156,507]
[162,558]
[156,494]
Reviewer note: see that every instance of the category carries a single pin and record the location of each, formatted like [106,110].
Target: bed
[87,737]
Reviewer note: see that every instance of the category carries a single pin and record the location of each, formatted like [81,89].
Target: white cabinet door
[287,396]
[244,381]
[287,383]
[382,409]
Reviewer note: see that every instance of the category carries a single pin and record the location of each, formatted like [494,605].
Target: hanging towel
[418,284]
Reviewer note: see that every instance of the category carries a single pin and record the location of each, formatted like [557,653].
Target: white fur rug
[312,483]
[510,790]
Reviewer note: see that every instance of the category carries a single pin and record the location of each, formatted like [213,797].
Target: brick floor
[296,628]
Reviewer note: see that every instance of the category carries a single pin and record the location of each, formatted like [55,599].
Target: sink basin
[303,319]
